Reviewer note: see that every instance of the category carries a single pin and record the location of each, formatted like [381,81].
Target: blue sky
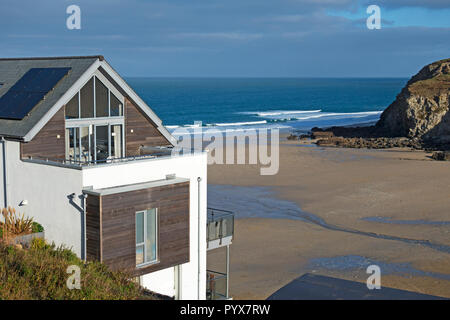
[245,38]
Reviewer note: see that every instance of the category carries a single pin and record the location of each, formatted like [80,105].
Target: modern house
[86,157]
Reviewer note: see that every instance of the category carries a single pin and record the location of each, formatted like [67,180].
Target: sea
[286,103]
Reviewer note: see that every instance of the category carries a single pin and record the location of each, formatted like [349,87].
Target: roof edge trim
[99,57]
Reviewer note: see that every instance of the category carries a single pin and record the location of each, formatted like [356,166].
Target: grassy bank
[40,273]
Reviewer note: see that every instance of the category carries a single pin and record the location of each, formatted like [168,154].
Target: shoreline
[346,188]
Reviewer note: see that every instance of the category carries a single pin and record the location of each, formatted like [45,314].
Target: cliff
[418,118]
[421,110]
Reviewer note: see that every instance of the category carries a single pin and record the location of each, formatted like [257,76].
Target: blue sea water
[298,103]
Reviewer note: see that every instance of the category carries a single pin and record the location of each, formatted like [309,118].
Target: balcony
[219,234]
[220,228]
[216,285]
[147,154]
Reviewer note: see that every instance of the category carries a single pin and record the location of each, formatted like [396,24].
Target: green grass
[40,273]
[432,87]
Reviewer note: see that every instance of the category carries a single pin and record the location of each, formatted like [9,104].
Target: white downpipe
[5,175]
[84,195]
[228,272]
[199,179]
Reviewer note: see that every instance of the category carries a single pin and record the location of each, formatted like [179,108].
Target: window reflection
[101,143]
[86,143]
[87,100]
[89,139]
[72,144]
[101,99]
[116,141]
[72,110]
[116,106]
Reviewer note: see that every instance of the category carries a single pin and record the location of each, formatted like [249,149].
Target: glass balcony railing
[220,224]
[216,285]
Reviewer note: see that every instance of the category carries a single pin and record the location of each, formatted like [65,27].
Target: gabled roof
[82,68]
[11,70]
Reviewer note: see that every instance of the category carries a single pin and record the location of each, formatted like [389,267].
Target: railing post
[220,230]
[228,270]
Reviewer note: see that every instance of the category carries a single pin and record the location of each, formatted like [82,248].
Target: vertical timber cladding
[49,142]
[140,131]
[93,227]
[118,214]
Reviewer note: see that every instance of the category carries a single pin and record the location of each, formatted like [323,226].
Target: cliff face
[421,110]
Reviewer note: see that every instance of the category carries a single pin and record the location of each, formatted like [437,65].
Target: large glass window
[116,141]
[73,144]
[101,99]
[146,236]
[94,100]
[116,106]
[72,108]
[88,138]
[94,143]
[87,100]
[86,143]
[101,143]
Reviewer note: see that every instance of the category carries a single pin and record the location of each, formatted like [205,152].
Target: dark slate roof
[318,287]
[12,69]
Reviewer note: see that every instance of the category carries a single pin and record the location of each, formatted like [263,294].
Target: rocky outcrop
[419,117]
[441,156]
[421,110]
[370,143]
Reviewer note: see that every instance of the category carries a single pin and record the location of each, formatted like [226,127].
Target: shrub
[36,227]
[16,224]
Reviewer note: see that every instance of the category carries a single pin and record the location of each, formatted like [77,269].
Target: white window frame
[111,90]
[95,124]
[156,260]
[101,121]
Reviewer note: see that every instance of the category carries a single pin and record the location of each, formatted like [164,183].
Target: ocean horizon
[250,103]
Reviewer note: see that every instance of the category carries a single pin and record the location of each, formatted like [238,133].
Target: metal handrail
[95,162]
[222,275]
[220,213]
[212,292]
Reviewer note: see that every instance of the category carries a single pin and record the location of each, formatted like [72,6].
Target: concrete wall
[46,188]
[188,166]
[162,281]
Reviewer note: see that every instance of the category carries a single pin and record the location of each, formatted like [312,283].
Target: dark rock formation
[441,156]
[421,110]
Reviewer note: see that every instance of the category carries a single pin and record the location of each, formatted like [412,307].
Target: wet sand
[385,207]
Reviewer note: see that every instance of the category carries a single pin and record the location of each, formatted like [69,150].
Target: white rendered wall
[46,188]
[162,281]
[187,166]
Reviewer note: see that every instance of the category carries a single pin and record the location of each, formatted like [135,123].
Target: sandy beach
[349,208]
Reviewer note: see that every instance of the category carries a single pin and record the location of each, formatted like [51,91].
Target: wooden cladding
[49,142]
[93,228]
[112,231]
[140,131]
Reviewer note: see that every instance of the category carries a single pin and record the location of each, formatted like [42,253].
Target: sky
[234,38]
